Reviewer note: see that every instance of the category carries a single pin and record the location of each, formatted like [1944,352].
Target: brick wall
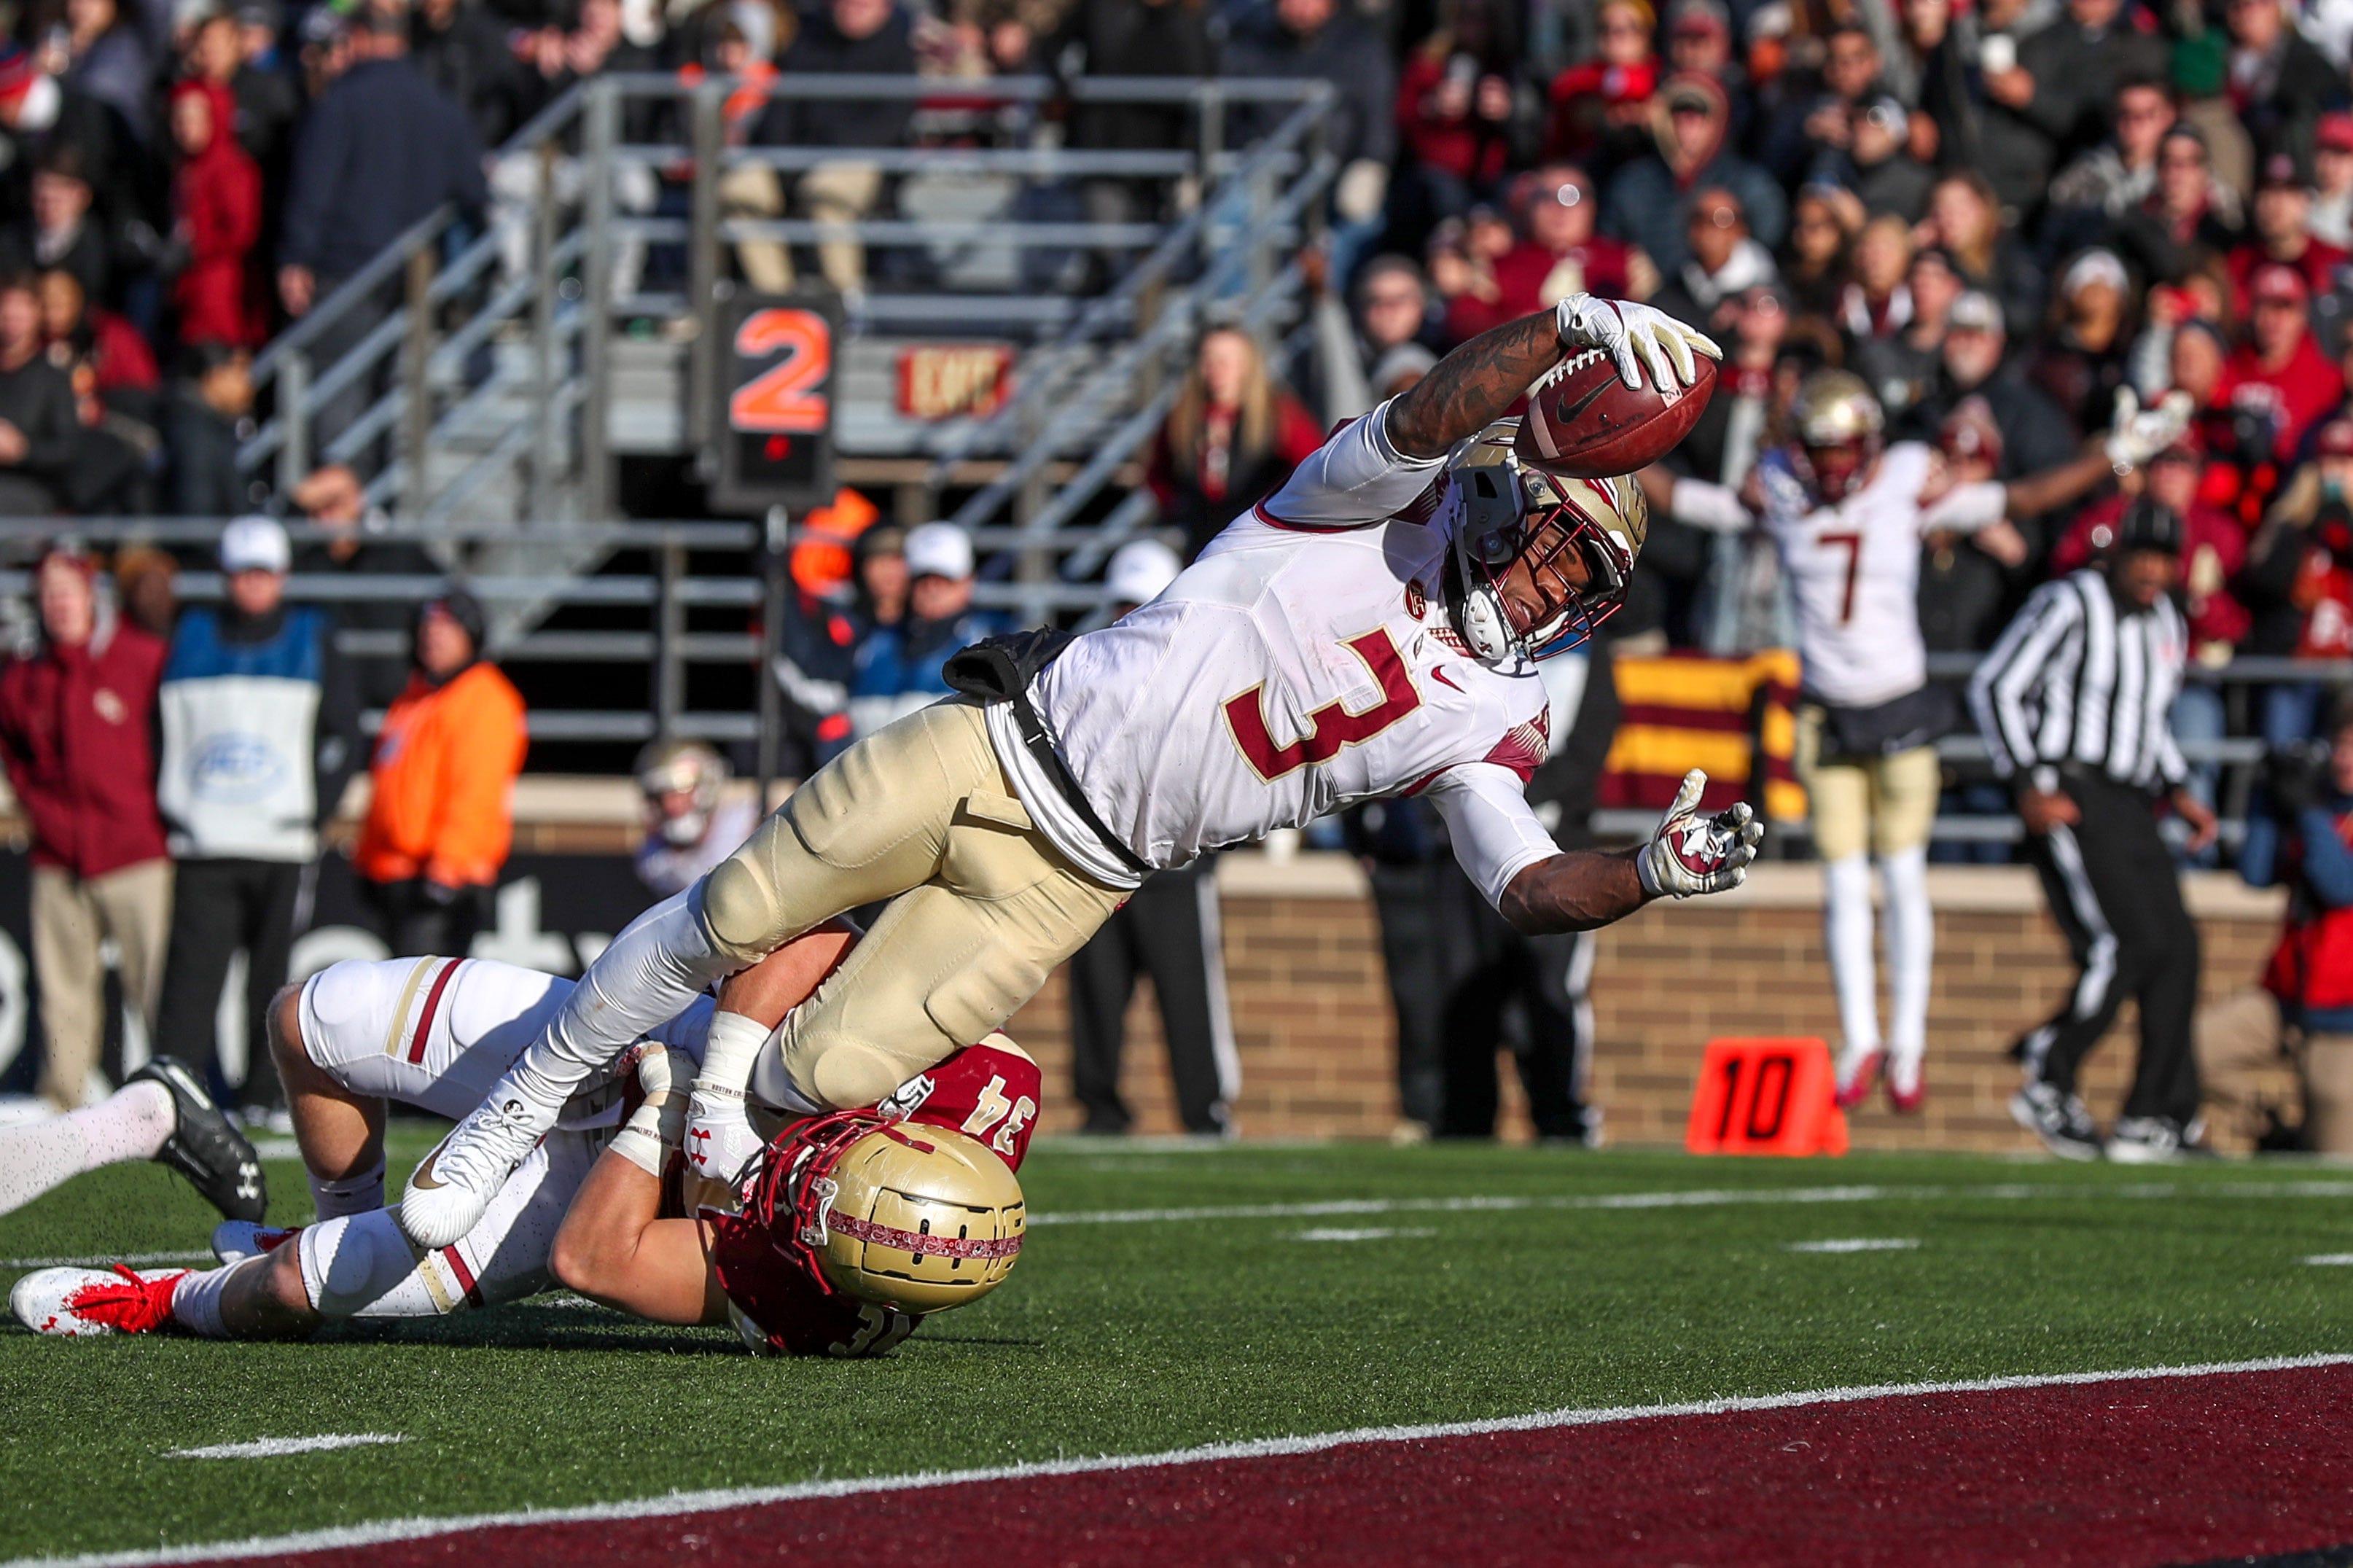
[1313,1023]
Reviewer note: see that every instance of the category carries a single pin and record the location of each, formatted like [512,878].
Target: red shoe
[82,1303]
[1854,1088]
[1906,1090]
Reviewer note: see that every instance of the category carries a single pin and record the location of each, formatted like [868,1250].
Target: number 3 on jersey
[1331,728]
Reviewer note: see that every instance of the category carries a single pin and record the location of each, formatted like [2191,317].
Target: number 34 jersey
[1303,663]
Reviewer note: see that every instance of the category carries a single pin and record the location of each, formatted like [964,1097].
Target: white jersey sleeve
[1354,480]
[1966,508]
[1497,836]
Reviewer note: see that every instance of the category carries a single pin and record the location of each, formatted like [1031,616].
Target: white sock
[196,1302]
[132,1124]
[652,971]
[1846,932]
[1911,952]
[349,1195]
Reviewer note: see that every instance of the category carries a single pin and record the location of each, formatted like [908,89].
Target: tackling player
[1848,518]
[586,1207]
[1370,630]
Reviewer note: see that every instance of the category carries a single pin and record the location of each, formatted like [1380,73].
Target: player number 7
[1850,541]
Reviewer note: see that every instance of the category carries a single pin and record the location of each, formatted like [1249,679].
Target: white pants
[436,1033]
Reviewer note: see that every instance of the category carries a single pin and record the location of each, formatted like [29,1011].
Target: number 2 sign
[776,387]
[1766,1097]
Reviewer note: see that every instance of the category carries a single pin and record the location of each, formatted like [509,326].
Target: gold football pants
[982,905]
[1887,805]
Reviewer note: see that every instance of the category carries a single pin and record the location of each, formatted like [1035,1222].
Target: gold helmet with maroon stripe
[1570,545]
[913,1216]
[1838,424]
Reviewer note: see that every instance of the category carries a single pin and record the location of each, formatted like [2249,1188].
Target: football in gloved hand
[1584,423]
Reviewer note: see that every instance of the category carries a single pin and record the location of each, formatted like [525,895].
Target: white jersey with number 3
[1855,570]
[1303,663]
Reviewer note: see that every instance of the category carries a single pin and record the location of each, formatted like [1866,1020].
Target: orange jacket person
[442,818]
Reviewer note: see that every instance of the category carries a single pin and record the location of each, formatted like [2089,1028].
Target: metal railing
[664,648]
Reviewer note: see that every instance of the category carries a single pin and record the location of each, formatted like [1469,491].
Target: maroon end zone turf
[2141,1471]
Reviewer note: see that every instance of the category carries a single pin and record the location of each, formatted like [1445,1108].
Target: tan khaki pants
[841,192]
[829,194]
[1887,805]
[982,906]
[2253,1070]
[752,190]
[2328,1093]
[72,916]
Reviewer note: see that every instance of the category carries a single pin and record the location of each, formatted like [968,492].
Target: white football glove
[1694,854]
[721,1145]
[1632,336]
[2136,435]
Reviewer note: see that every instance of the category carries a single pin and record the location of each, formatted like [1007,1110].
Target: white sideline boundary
[1686,1198]
[386,1532]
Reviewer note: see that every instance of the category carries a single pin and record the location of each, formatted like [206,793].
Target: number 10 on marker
[1766,1097]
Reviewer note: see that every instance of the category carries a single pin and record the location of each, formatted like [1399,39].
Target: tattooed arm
[1471,388]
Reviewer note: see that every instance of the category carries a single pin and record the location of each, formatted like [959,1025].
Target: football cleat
[2152,1141]
[1907,1084]
[1857,1073]
[205,1146]
[2059,1120]
[452,1186]
[84,1303]
[234,1240]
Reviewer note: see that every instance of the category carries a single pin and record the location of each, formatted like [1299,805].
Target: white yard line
[275,1448]
[383,1532]
[107,1261]
[1703,1197]
[2330,1259]
[1690,1198]
[1370,1232]
[1855,1243]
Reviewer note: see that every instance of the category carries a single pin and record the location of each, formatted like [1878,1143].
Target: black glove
[440,895]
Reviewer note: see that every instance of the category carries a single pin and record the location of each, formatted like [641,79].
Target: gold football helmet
[1837,425]
[1502,511]
[913,1216]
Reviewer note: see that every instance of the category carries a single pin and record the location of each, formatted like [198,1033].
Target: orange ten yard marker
[1766,1097]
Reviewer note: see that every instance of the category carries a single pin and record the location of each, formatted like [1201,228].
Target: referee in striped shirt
[2073,701]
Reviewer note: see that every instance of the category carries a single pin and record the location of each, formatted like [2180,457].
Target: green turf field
[1445,1283]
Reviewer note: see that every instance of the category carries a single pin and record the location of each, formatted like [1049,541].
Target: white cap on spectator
[1975,312]
[1141,571]
[2093,266]
[939,549]
[255,544]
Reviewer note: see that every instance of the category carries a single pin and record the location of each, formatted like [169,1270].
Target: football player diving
[1370,630]
[823,1258]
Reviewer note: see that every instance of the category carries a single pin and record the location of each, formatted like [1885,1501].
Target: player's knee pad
[361,1266]
[851,1072]
[737,906]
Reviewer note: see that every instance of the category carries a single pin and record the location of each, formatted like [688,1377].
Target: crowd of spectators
[177,771]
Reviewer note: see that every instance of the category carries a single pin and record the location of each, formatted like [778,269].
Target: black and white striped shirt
[2074,680]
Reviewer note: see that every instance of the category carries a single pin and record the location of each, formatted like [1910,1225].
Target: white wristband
[729,1053]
